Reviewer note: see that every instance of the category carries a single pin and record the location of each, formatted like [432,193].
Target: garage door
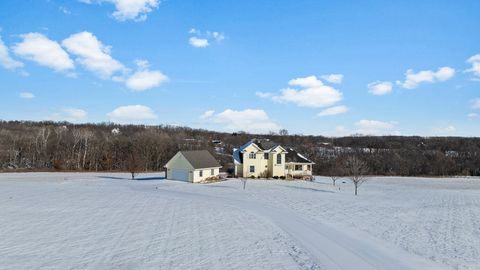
[181,175]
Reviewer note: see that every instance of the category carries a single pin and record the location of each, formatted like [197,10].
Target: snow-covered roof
[263,144]
[295,157]
[237,158]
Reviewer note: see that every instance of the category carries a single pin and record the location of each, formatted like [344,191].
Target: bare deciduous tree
[283,132]
[356,169]
[134,164]
[26,145]
[244,182]
[336,171]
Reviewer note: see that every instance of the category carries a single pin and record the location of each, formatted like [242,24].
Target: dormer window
[252,156]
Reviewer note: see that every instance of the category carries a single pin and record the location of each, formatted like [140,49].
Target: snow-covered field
[104,221]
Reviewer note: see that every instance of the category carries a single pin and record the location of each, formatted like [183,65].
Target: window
[252,155]
[298,167]
[201,173]
[212,172]
[309,167]
[279,159]
[265,156]
[252,169]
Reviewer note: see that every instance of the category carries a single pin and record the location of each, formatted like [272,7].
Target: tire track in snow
[330,247]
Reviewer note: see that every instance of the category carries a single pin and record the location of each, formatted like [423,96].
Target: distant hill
[28,145]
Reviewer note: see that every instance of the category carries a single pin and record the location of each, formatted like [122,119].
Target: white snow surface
[105,221]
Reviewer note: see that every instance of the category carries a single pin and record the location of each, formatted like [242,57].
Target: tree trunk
[85,153]
[356,186]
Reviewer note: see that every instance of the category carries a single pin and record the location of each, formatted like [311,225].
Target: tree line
[26,145]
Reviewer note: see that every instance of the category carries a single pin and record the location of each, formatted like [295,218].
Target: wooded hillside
[105,147]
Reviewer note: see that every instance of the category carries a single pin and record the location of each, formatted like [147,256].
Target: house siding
[207,172]
[263,167]
[178,162]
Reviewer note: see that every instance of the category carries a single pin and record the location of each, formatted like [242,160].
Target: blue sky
[313,67]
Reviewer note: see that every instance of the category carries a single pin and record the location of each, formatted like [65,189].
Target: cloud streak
[6,60]
[250,120]
[135,10]
[306,92]
[92,54]
[379,88]
[44,51]
[413,80]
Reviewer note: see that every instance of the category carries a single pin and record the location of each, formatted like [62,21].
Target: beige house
[264,158]
[192,166]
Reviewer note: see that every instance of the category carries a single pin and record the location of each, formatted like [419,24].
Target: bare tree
[244,182]
[86,135]
[134,164]
[334,178]
[356,169]
[49,145]
[283,132]
[335,171]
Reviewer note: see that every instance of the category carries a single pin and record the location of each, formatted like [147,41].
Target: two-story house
[264,158]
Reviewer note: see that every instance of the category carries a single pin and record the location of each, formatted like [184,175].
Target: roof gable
[200,159]
[174,161]
[295,157]
[261,144]
[278,147]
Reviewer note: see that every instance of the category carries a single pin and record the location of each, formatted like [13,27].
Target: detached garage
[192,166]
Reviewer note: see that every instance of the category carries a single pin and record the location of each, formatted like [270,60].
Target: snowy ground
[104,221]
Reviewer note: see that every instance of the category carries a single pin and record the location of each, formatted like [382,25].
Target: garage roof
[201,159]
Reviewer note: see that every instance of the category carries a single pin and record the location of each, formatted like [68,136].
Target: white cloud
[92,54]
[145,79]
[333,111]
[473,115]
[207,114]
[307,82]
[249,120]
[311,92]
[218,36]
[142,64]
[263,94]
[379,88]
[70,114]
[136,10]
[131,114]
[198,42]
[412,80]
[448,129]
[200,39]
[78,114]
[475,103]
[333,78]
[5,59]
[374,127]
[46,52]
[64,10]
[26,95]
[194,31]
[475,61]
[341,131]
